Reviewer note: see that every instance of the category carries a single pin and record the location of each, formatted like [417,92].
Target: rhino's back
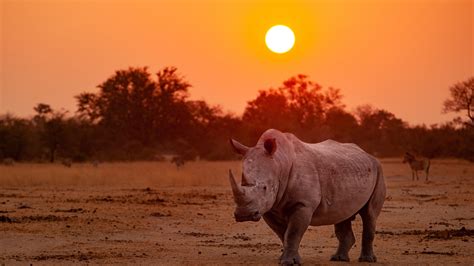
[347,176]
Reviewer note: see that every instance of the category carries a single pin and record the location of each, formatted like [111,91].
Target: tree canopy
[462,99]
[135,115]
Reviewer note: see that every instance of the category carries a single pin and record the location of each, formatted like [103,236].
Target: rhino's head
[261,170]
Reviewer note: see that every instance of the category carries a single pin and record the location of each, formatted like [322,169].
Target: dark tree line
[135,115]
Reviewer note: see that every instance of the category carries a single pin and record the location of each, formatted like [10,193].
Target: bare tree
[462,99]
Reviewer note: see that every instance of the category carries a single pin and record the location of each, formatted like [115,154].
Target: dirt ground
[152,213]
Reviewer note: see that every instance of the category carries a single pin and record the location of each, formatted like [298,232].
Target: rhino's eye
[264,187]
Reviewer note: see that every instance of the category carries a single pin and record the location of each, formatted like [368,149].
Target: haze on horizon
[401,56]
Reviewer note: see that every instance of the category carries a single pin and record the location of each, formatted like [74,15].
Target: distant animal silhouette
[95,163]
[178,161]
[8,161]
[417,165]
[67,163]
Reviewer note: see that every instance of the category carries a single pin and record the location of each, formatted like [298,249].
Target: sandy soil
[132,223]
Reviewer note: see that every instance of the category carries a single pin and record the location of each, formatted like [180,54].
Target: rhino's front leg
[297,225]
[276,224]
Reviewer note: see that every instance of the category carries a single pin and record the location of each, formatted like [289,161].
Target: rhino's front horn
[236,190]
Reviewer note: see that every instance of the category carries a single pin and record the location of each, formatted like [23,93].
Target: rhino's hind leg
[368,234]
[369,215]
[346,240]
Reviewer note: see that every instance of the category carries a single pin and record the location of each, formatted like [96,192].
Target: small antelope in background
[178,161]
[95,163]
[417,165]
[8,161]
[67,163]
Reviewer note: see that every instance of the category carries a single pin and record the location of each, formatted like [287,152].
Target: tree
[380,132]
[462,99]
[211,131]
[174,118]
[137,112]
[307,100]
[15,138]
[268,110]
[341,124]
[299,106]
[87,106]
[43,109]
[51,128]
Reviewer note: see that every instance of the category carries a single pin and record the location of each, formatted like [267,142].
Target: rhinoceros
[293,184]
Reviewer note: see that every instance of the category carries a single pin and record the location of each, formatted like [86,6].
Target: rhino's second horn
[246,182]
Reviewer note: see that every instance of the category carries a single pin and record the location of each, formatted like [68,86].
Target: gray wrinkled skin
[293,184]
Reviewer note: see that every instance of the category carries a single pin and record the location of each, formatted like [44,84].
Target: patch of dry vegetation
[141,174]
[165,174]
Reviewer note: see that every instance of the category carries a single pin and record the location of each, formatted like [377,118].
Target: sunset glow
[280,39]
[376,52]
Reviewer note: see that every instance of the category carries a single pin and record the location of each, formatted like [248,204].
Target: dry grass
[157,174]
[165,174]
[440,168]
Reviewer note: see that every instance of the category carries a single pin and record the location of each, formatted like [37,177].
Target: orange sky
[398,55]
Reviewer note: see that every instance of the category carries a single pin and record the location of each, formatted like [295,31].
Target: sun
[280,39]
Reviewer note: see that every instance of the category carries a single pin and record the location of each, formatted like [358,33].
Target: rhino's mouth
[244,218]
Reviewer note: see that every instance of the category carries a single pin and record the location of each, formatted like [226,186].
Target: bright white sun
[280,39]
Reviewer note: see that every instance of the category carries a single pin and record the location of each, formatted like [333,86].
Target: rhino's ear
[238,147]
[270,146]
